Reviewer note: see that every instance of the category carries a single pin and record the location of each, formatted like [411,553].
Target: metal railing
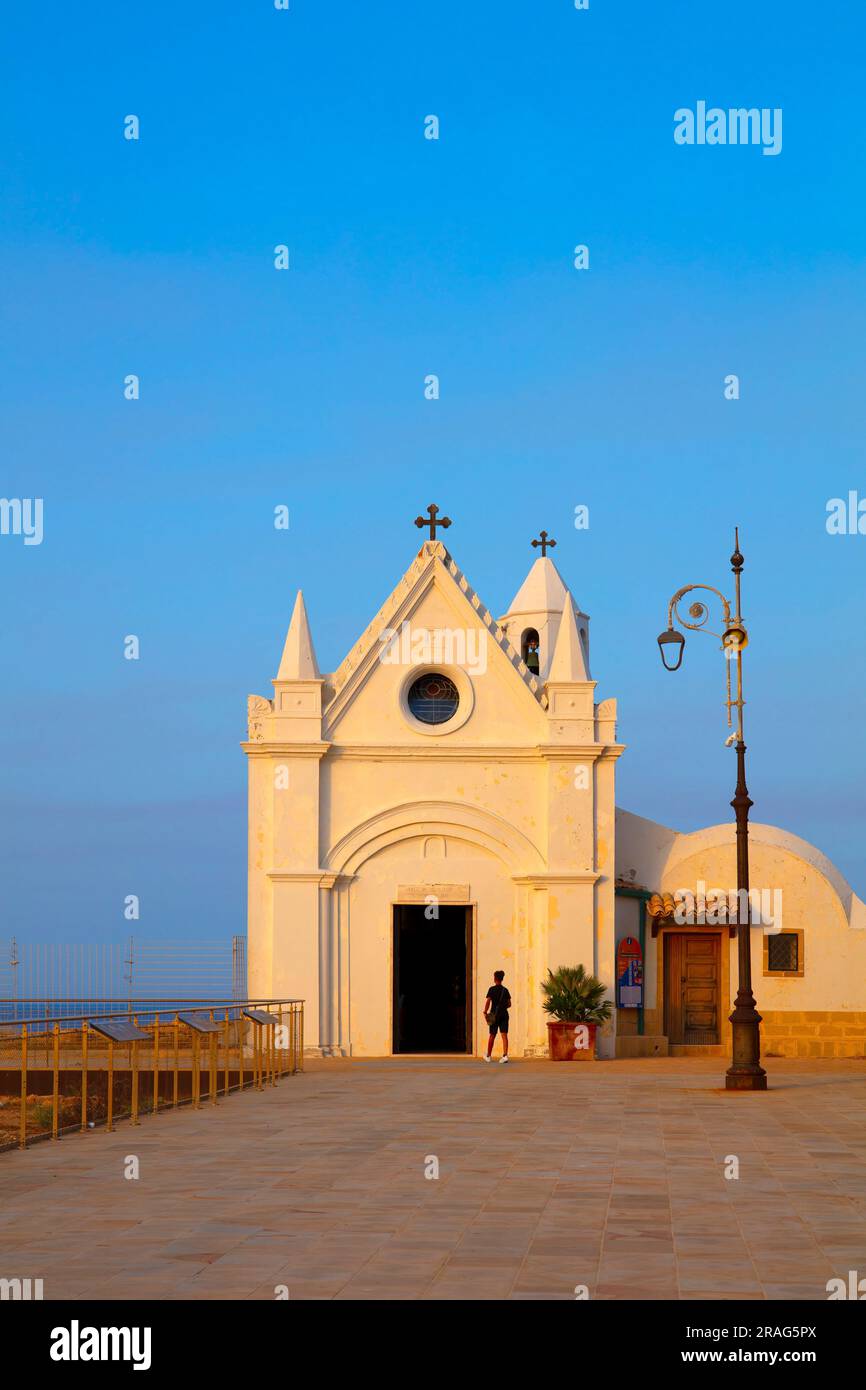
[77,978]
[80,1071]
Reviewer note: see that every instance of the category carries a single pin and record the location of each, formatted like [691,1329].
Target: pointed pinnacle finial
[298,659]
[568,662]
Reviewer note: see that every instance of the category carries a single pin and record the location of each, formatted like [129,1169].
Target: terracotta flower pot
[571,1042]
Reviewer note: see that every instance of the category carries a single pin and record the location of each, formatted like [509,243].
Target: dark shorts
[501,1026]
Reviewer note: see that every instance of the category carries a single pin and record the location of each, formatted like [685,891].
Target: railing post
[109,1125]
[176,1060]
[84,1076]
[55,1098]
[155,1063]
[214,1061]
[196,1075]
[227,1046]
[133,1068]
[22,1137]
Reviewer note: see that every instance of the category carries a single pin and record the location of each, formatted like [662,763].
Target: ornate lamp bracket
[698,617]
[698,611]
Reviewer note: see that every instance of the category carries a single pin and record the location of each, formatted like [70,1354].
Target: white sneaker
[485,1058]
[502,1061]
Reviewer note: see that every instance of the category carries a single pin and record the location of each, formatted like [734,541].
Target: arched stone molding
[421,819]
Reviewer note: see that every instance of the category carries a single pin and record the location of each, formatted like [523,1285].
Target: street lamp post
[745,1072]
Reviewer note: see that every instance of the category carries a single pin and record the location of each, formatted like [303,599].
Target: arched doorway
[432,1010]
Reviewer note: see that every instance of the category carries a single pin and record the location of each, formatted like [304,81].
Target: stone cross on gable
[432,521]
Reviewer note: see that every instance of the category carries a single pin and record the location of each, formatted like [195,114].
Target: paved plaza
[608,1175]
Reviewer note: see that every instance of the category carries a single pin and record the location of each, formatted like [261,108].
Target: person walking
[496,1007]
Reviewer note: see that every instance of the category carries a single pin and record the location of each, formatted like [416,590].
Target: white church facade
[443,805]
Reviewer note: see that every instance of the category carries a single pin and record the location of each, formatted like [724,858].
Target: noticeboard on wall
[629,974]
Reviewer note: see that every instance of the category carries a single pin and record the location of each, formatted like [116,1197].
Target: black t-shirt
[500,1001]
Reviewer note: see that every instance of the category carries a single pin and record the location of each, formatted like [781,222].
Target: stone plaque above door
[444,892]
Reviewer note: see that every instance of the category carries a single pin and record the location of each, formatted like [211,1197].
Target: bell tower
[534,618]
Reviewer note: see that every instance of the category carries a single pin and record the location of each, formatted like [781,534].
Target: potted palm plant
[577,1003]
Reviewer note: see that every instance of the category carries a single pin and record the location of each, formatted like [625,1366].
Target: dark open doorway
[432,979]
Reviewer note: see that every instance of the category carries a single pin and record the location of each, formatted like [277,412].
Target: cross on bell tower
[544,543]
[432,521]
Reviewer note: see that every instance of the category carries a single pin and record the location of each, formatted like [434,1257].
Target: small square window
[783,953]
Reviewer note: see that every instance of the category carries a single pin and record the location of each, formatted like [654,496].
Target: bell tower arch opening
[530,648]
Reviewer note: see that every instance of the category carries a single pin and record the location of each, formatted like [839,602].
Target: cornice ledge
[261,748]
[591,751]
[547,877]
[326,878]
[460,751]
[571,750]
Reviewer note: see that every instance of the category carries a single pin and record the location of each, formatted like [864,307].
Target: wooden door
[692,969]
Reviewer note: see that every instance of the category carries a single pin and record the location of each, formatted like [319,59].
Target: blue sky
[411,257]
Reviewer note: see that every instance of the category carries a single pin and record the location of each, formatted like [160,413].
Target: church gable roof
[432,560]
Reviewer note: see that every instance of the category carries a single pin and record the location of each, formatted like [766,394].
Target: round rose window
[433,698]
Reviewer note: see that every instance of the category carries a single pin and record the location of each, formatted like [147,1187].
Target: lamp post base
[745,1072]
[741,1079]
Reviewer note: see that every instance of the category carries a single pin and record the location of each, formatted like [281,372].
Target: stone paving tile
[613,1178]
